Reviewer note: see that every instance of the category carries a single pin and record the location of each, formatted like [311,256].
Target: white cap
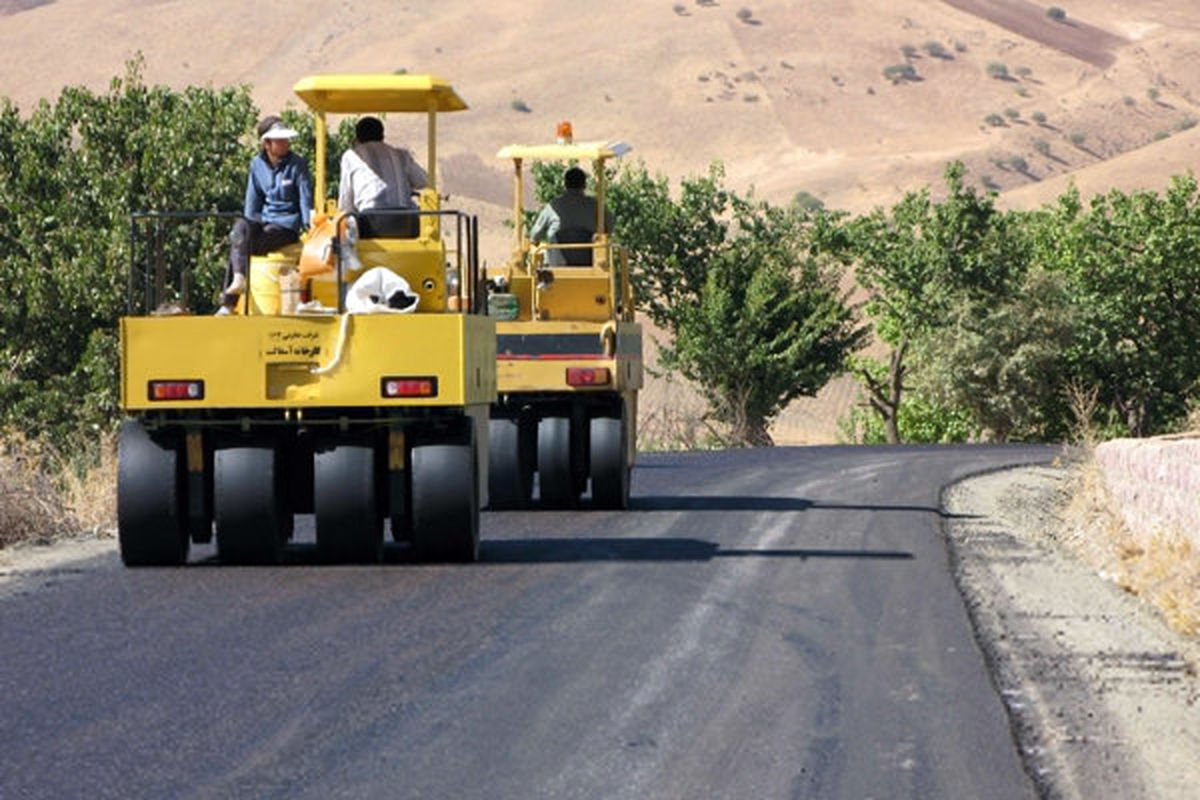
[280,131]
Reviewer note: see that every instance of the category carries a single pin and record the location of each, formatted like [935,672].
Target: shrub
[997,70]
[1042,146]
[960,46]
[1056,13]
[1022,91]
[1153,93]
[1023,72]
[1038,117]
[1012,113]
[995,120]
[520,105]
[745,15]
[808,201]
[1185,124]
[1160,135]
[937,50]
[900,72]
[44,495]
[1018,164]
[1077,138]
[1129,101]
[909,51]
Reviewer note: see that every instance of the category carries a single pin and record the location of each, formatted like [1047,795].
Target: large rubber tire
[556,481]
[445,503]
[247,506]
[346,502]
[609,466]
[151,512]
[510,465]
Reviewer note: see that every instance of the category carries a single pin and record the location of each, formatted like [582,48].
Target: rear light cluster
[176,390]
[587,376]
[408,387]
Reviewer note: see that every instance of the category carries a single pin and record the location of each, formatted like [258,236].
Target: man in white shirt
[375,175]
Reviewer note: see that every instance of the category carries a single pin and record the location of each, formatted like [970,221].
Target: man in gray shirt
[569,218]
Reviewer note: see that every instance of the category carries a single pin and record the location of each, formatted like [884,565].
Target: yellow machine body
[302,362]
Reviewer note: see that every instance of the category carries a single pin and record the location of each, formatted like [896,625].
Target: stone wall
[1156,483]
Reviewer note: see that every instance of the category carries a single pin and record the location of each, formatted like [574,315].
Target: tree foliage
[916,261]
[70,174]
[1132,262]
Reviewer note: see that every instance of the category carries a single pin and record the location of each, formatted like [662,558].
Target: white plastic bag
[381,291]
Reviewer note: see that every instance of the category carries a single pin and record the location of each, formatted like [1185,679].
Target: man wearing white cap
[279,201]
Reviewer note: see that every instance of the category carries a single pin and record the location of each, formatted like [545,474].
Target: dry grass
[45,495]
[1162,567]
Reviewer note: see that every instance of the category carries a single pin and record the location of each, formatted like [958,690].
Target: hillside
[791,94]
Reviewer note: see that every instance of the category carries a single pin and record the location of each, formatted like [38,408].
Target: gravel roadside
[1103,697]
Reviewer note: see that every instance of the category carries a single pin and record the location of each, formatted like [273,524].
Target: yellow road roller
[568,353]
[295,405]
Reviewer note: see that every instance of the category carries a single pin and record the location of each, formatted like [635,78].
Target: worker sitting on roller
[569,218]
[375,175]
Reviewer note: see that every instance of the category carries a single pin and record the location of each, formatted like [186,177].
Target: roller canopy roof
[580,151]
[363,94]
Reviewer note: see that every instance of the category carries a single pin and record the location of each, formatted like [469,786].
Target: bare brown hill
[791,97]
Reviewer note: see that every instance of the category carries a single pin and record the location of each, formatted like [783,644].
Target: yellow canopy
[377,93]
[578,151]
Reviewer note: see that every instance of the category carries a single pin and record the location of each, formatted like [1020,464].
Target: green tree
[1133,265]
[916,261]
[748,291]
[70,174]
[1002,363]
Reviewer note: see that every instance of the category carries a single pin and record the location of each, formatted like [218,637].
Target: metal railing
[179,258]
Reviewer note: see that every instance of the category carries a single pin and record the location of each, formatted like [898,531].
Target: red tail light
[587,376]
[176,390]
[408,387]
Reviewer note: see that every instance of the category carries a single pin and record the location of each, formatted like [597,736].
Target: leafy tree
[916,261]
[748,291]
[70,174]
[1002,364]
[1133,264]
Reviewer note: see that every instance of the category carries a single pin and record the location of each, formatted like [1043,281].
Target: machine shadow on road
[744,503]
[564,551]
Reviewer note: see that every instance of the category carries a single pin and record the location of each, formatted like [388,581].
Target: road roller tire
[445,503]
[247,506]
[151,517]
[346,503]
[556,479]
[510,465]
[609,466]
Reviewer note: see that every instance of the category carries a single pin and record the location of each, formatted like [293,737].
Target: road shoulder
[1103,698]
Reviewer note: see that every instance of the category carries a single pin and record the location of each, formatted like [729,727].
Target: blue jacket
[281,195]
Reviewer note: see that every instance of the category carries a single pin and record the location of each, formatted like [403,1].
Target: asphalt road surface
[775,623]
